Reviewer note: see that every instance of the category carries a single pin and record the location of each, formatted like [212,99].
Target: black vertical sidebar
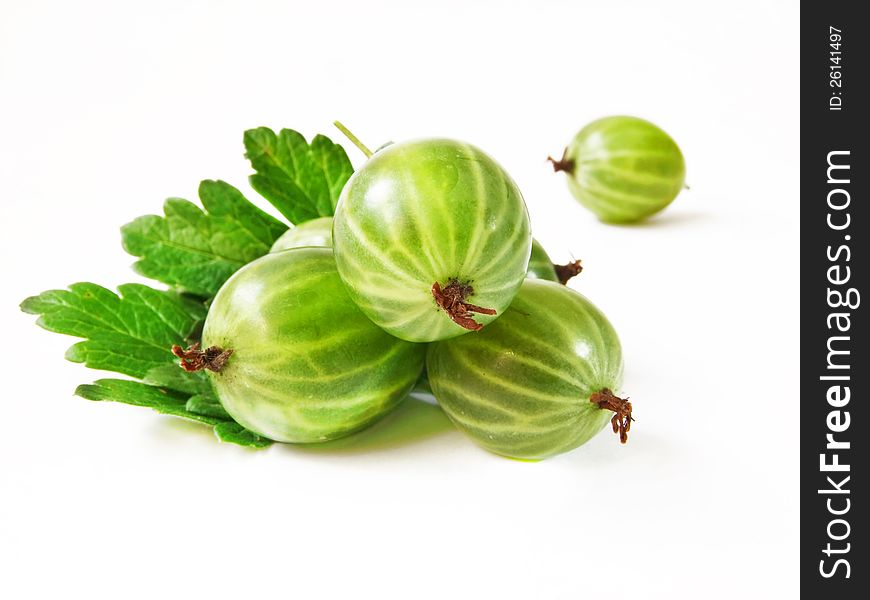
[835,364]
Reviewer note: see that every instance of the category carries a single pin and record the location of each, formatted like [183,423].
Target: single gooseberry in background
[431,238]
[292,358]
[316,233]
[623,169]
[539,381]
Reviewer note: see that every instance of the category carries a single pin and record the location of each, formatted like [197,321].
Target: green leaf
[202,399]
[207,405]
[302,181]
[198,250]
[136,394]
[169,403]
[130,333]
[232,432]
[173,377]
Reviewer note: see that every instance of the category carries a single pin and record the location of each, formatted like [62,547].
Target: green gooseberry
[317,233]
[623,169]
[292,358]
[539,381]
[431,238]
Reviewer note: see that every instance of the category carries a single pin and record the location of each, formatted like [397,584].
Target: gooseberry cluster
[428,269]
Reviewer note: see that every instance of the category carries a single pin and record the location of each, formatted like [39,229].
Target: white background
[108,108]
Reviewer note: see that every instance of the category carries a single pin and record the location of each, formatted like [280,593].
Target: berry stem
[451,299]
[621,407]
[356,142]
[563,164]
[567,271]
[193,359]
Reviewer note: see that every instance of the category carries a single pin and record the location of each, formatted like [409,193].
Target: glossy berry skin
[425,212]
[521,387]
[306,364]
[540,264]
[316,233]
[623,169]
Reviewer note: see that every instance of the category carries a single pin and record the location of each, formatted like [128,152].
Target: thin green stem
[362,147]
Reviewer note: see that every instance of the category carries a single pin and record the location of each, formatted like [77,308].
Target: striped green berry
[432,239]
[537,381]
[623,169]
[317,233]
[293,359]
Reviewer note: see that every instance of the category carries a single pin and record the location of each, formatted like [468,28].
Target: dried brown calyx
[194,359]
[451,299]
[563,164]
[621,408]
[567,271]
